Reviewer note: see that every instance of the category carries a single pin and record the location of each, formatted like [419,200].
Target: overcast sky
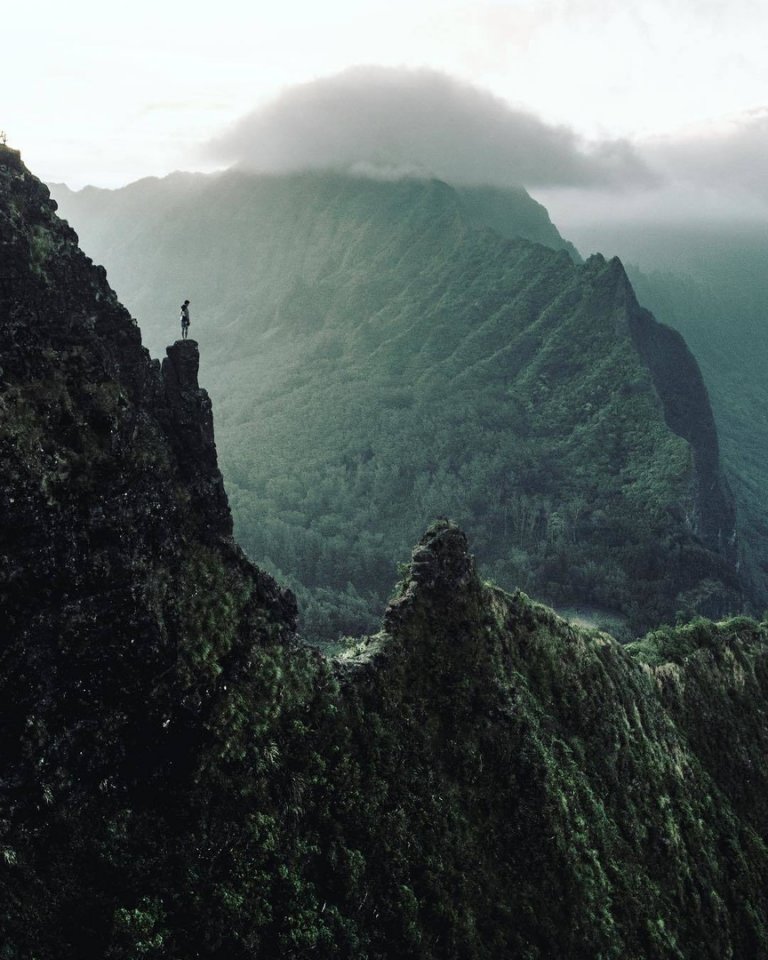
[95,94]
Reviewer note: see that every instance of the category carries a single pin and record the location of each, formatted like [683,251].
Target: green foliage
[480,780]
[378,357]
[708,281]
[483,781]
[675,645]
[137,931]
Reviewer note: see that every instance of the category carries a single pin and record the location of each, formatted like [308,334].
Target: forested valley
[381,353]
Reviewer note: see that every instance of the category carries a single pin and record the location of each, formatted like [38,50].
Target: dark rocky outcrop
[517,704]
[191,417]
[112,512]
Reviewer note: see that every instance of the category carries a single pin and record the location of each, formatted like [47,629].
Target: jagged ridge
[478,780]
[383,356]
[687,410]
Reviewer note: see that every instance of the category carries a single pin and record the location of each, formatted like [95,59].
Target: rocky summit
[181,778]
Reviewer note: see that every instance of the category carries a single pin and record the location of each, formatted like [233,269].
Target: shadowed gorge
[385,352]
[180,778]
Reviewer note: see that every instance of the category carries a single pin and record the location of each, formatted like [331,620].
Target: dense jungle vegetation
[708,280]
[378,356]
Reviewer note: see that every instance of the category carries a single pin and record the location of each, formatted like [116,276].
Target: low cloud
[388,122]
[713,174]
[730,156]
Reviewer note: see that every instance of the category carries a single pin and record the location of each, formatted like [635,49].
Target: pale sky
[93,93]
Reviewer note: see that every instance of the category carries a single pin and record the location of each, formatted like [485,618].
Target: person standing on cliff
[184,317]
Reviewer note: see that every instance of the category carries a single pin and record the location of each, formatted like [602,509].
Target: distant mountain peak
[415,335]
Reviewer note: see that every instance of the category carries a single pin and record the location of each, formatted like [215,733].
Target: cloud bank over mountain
[389,122]
[731,154]
[709,174]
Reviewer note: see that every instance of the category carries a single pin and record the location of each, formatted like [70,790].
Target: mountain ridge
[180,778]
[706,280]
[373,338]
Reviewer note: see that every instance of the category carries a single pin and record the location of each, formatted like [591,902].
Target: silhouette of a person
[184,317]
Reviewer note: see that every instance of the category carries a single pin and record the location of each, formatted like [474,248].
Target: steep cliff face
[113,520]
[514,214]
[707,280]
[479,779]
[190,430]
[687,410]
[387,352]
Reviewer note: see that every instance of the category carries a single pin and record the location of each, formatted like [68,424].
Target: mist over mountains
[259,231]
[384,121]
[387,122]
[469,775]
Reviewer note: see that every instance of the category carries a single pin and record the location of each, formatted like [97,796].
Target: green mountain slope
[709,282]
[180,778]
[378,358]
